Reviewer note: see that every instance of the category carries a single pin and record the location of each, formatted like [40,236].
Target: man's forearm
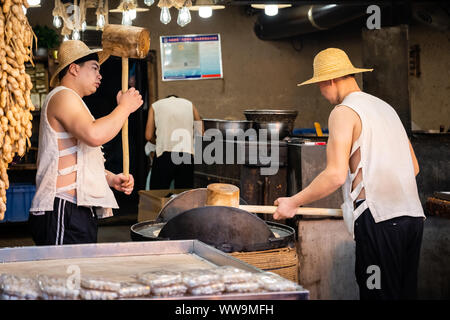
[107,127]
[323,185]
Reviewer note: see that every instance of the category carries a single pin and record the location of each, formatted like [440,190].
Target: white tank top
[92,189]
[174,122]
[386,163]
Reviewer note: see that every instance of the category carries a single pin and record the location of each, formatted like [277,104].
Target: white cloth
[149,147]
[91,185]
[386,163]
[174,122]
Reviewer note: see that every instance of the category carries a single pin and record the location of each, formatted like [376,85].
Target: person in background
[72,185]
[170,126]
[370,155]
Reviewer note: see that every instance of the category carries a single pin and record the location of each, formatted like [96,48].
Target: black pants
[387,256]
[66,224]
[164,171]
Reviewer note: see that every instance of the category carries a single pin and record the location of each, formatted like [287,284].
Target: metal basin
[274,129]
[283,235]
[267,115]
[227,127]
[276,121]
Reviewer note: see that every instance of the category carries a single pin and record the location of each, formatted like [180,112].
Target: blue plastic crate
[300,131]
[18,202]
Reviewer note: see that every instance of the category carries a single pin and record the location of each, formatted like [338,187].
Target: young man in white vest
[170,125]
[369,154]
[72,185]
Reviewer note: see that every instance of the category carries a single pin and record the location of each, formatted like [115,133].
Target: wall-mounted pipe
[295,21]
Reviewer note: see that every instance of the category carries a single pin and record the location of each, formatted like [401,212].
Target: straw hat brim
[102,57]
[334,75]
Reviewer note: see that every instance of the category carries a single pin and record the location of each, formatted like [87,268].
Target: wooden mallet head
[126,41]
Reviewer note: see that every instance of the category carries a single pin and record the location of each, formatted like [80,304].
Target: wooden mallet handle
[300,211]
[222,194]
[125,148]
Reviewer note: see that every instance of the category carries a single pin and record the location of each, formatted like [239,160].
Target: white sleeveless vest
[92,187]
[386,164]
[174,122]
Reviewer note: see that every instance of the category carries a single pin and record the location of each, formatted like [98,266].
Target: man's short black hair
[81,61]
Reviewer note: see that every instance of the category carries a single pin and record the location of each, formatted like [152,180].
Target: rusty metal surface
[306,162]
[386,50]
[262,190]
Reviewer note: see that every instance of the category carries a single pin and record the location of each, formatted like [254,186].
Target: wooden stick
[300,211]
[125,149]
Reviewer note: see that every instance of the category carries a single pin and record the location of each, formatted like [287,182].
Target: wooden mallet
[222,194]
[125,42]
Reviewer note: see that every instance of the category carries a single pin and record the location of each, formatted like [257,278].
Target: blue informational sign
[191,57]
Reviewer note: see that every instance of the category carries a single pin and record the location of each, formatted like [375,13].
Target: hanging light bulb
[75,35]
[101,21]
[205,11]
[149,2]
[57,22]
[83,26]
[271,10]
[184,17]
[66,37]
[165,15]
[126,19]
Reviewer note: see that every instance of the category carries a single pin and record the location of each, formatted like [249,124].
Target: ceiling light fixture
[205,7]
[128,8]
[271,9]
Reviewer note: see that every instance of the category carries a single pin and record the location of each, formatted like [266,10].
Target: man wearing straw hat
[72,185]
[369,154]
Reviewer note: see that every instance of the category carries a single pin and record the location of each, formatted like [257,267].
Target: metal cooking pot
[281,129]
[267,115]
[276,120]
[232,237]
[228,229]
[227,127]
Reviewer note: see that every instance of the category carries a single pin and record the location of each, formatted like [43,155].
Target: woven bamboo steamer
[330,64]
[282,261]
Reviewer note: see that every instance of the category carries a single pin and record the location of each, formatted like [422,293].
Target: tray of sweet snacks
[185,269]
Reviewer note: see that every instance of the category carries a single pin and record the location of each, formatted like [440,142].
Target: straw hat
[70,51]
[330,64]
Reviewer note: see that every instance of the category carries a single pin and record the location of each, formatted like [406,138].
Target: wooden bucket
[282,261]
